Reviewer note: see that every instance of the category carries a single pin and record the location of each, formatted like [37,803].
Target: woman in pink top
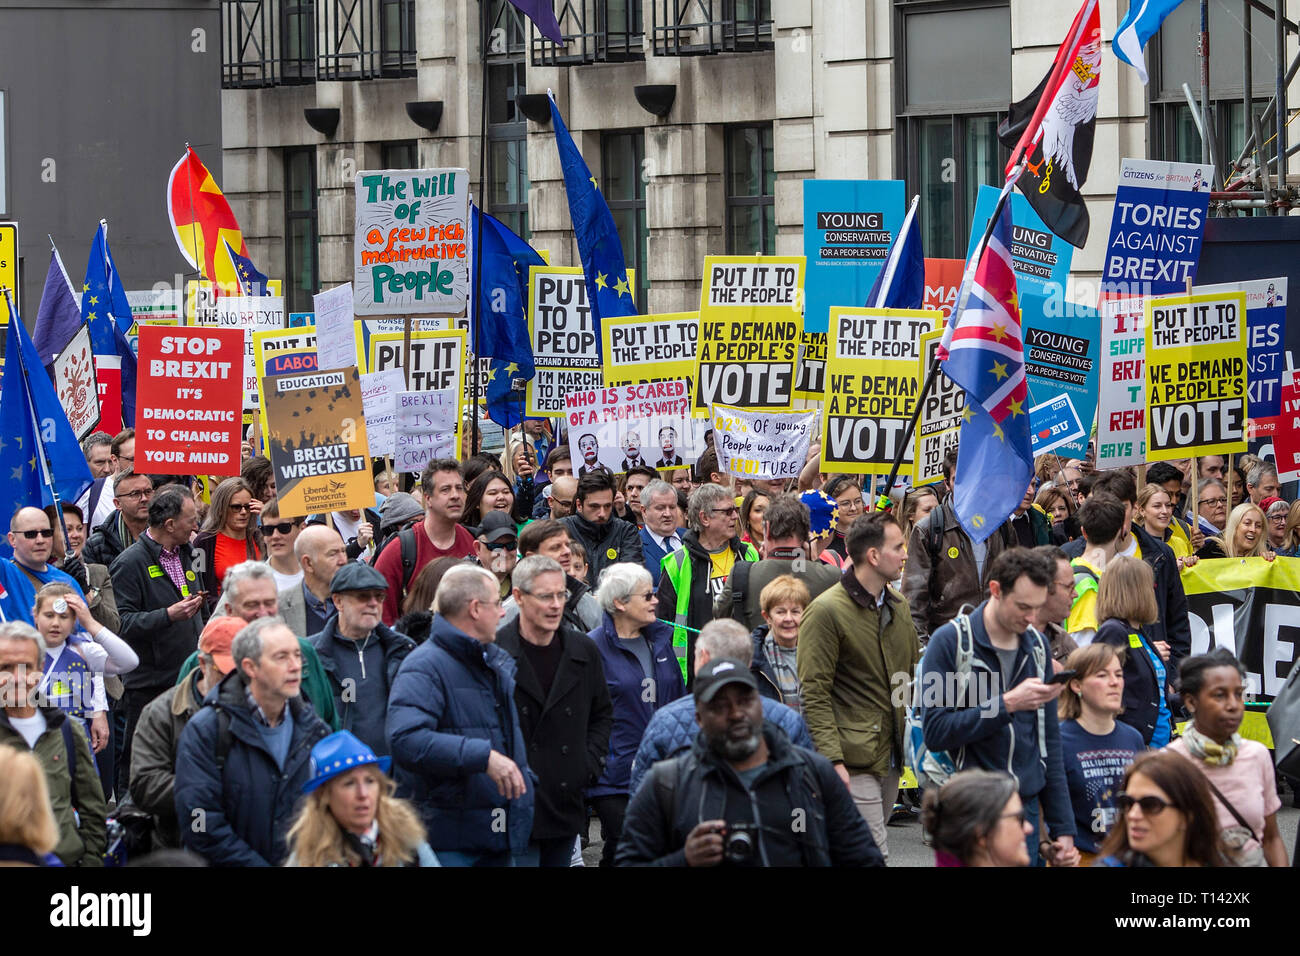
[1239,771]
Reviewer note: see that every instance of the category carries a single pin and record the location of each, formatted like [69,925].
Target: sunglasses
[1150,805]
[37,532]
[284,527]
[241,507]
[505,544]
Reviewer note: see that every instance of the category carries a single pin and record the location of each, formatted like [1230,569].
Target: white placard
[425,429]
[379,391]
[336,344]
[761,444]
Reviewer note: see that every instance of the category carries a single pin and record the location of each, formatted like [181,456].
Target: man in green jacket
[50,734]
[858,650]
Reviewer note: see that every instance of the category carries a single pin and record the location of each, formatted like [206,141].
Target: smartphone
[1061,677]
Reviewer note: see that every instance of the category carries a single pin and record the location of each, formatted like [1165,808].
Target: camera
[739,842]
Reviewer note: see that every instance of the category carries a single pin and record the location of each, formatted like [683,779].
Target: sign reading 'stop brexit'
[1040,258]
[1156,229]
[848,226]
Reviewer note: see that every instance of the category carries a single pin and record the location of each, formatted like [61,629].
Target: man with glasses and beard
[743,795]
[32,539]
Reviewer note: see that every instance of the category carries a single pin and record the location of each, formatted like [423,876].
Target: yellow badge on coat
[953,552]
[612,554]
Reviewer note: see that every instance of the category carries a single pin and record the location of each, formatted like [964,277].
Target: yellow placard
[650,348]
[294,351]
[9,263]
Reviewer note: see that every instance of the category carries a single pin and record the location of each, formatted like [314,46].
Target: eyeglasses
[36,532]
[561,502]
[1212,502]
[508,544]
[1019,815]
[733,510]
[283,527]
[849,504]
[234,507]
[133,495]
[552,597]
[1149,805]
[648,596]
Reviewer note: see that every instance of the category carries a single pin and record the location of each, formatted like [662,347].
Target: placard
[1040,258]
[650,348]
[872,384]
[770,445]
[625,426]
[251,314]
[810,373]
[1156,228]
[411,254]
[201,300]
[74,378]
[942,280]
[282,352]
[1061,344]
[1122,388]
[438,362]
[426,428]
[1053,424]
[335,336]
[1196,375]
[379,391]
[1265,340]
[188,400]
[750,329]
[1286,439]
[317,441]
[939,426]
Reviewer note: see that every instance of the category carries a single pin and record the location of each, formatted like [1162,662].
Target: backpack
[932,767]
[410,551]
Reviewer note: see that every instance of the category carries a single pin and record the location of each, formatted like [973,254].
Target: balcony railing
[595,31]
[696,27]
[365,39]
[267,43]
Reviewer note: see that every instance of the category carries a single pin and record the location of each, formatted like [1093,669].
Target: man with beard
[668,448]
[590,449]
[732,797]
[632,452]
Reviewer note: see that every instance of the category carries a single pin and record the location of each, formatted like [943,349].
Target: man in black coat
[564,707]
[608,539]
[160,601]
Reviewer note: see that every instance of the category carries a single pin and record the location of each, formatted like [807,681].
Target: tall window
[402,154]
[956,86]
[302,277]
[507,148]
[397,35]
[751,191]
[298,41]
[621,160]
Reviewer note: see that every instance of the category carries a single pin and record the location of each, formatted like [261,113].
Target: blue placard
[1062,350]
[1041,258]
[1156,229]
[848,225]
[301,318]
[1265,341]
[1055,424]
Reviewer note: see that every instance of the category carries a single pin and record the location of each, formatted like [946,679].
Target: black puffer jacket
[607,544]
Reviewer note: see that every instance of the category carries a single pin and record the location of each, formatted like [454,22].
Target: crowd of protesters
[497,662]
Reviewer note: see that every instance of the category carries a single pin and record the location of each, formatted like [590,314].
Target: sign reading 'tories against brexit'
[1156,229]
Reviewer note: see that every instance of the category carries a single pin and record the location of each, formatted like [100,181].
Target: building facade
[700,118]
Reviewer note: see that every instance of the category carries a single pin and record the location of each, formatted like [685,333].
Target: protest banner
[1196,375]
[1061,344]
[317,441]
[411,254]
[200,297]
[1040,258]
[613,429]
[565,357]
[150,307]
[437,361]
[810,373]
[1156,228]
[282,352]
[1054,424]
[942,280]
[649,348]
[1251,607]
[251,314]
[750,327]
[1286,440]
[74,378]
[188,399]
[873,378]
[939,425]
[336,345]
[1122,386]
[1265,339]
[848,226]
[379,391]
[426,427]
[754,444]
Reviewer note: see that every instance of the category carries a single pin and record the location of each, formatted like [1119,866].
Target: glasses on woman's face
[850,504]
[1149,805]
[1277,519]
[241,508]
[1212,502]
[1020,816]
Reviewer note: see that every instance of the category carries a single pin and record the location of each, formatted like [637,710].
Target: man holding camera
[743,795]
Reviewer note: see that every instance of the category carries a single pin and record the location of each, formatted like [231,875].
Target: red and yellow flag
[201,219]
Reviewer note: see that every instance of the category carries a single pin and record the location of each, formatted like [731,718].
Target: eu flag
[985,355]
[901,283]
[105,309]
[501,329]
[608,289]
[39,453]
[251,282]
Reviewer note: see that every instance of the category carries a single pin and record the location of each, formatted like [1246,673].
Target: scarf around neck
[1211,751]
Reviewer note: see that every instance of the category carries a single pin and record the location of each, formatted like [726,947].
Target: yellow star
[90,317]
[1016,408]
[1015,301]
[594,184]
[32,463]
[1000,370]
[492,374]
[966,414]
[512,368]
[602,281]
[622,286]
[997,430]
[19,439]
[85,287]
[999,332]
[94,300]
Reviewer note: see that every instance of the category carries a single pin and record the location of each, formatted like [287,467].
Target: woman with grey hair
[641,670]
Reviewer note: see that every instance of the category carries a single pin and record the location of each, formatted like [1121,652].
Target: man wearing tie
[661,535]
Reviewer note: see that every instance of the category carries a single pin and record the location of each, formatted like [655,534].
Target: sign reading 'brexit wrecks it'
[1122,388]
[872,382]
[1196,375]
[750,325]
[628,426]
[939,426]
[317,440]
[189,401]
[1156,229]
[771,445]
[411,252]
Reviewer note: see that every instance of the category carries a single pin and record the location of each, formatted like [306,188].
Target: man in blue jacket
[967,712]
[244,757]
[455,735]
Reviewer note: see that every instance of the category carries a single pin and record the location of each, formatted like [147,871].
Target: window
[956,86]
[507,148]
[397,37]
[622,156]
[298,41]
[404,154]
[751,186]
[692,27]
[594,31]
[364,39]
[301,279]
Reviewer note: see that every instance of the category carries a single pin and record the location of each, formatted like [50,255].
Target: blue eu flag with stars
[608,290]
[251,282]
[105,309]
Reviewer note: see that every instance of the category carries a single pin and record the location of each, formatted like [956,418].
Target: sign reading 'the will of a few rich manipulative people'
[1196,375]
[750,325]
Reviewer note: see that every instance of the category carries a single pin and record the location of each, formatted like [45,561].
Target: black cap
[355,576]
[715,675]
[496,525]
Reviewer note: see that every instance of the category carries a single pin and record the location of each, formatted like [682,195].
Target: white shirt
[670,543]
[283,581]
[31,728]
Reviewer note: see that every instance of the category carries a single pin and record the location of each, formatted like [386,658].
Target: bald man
[31,536]
[306,607]
[563,490]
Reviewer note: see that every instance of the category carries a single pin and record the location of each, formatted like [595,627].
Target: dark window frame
[759,199]
[637,205]
[293,295]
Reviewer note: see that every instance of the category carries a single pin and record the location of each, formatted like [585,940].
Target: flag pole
[883,503]
[477,319]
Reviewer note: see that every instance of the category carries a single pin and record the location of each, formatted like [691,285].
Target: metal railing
[365,39]
[696,27]
[595,31]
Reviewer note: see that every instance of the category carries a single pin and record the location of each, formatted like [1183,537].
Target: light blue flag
[1138,26]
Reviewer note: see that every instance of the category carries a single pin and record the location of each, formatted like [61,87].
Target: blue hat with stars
[338,753]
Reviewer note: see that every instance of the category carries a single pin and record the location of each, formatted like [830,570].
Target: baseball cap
[496,525]
[715,675]
[355,576]
[216,637]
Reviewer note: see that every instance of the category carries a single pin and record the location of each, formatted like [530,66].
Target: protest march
[863,558]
